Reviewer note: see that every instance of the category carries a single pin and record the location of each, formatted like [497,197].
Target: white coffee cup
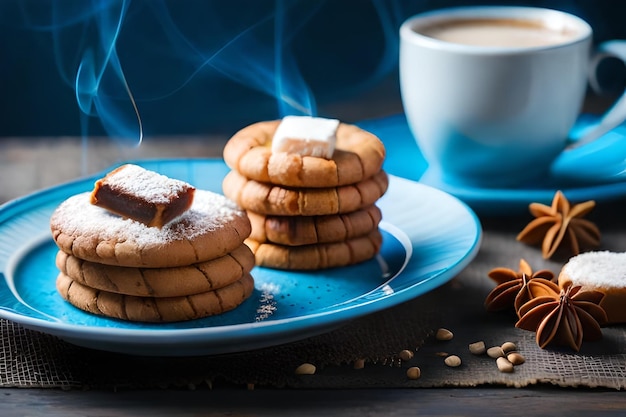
[491,93]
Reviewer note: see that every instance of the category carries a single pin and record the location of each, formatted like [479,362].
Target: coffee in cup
[498,32]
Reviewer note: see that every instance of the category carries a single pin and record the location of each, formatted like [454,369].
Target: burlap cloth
[31,359]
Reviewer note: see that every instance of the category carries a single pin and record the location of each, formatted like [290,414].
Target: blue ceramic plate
[596,171]
[429,236]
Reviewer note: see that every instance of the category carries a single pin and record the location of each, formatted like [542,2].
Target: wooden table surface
[479,402]
[27,165]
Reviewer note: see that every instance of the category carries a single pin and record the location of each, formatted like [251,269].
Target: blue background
[338,49]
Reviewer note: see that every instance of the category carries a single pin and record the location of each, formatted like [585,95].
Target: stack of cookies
[144,247]
[310,187]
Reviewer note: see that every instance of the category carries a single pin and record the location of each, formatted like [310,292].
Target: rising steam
[118,55]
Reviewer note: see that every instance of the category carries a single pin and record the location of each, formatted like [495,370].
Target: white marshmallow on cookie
[306,135]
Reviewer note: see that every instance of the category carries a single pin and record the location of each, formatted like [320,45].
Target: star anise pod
[562,316]
[560,225]
[511,288]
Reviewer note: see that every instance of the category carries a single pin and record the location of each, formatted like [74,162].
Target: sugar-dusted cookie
[159,282]
[152,309]
[212,227]
[358,155]
[317,256]
[603,271]
[306,230]
[271,199]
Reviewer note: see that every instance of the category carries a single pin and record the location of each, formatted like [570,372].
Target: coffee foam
[518,33]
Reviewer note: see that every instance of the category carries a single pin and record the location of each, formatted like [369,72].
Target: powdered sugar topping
[209,212]
[598,269]
[148,185]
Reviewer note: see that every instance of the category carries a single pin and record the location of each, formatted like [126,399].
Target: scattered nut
[305,369]
[359,364]
[477,348]
[406,355]
[413,372]
[504,365]
[516,358]
[444,334]
[495,352]
[508,347]
[452,361]
[442,354]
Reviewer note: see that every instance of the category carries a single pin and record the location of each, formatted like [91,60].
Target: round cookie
[318,256]
[603,271]
[212,227]
[152,309]
[307,230]
[271,199]
[358,155]
[159,282]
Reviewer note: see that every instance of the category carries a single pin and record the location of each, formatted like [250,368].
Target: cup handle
[616,115]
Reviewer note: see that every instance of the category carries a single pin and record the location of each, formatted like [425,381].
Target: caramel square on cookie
[143,195]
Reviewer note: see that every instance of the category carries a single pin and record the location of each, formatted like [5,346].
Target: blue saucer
[428,238]
[600,161]
[596,171]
